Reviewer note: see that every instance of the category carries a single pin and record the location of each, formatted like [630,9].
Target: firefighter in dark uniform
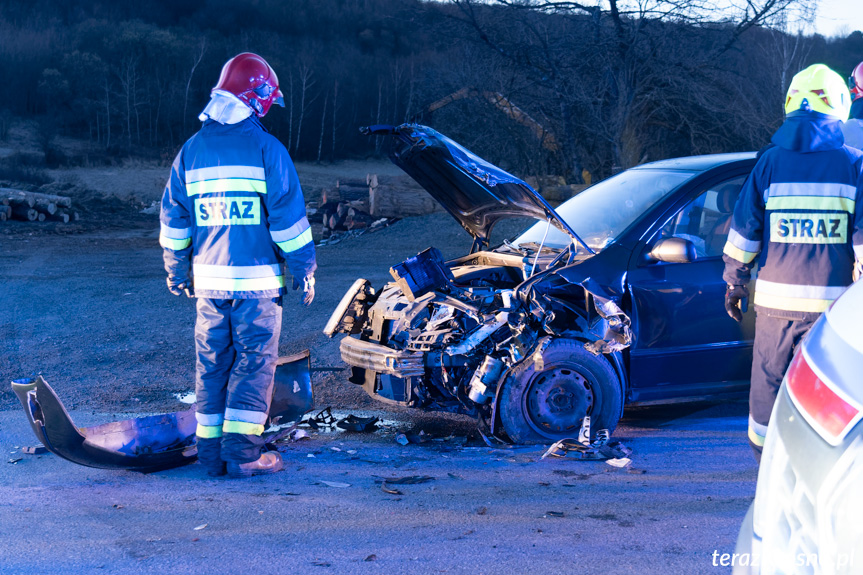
[232,215]
[799,217]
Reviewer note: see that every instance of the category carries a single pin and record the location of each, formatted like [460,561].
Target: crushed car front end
[454,335]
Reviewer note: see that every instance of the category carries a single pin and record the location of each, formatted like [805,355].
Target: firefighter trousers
[775,342]
[237,343]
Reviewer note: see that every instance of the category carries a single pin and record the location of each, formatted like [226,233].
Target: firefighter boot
[210,455]
[269,462]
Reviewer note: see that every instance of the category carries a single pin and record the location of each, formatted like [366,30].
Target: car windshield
[601,213]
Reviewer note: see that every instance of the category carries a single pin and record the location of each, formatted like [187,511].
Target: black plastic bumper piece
[154,442]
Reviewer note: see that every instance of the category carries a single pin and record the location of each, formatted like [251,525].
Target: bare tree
[290,108]
[378,139]
[197,56]
[323,125]
[107,85]
[335,112]
[608,70]
[306,83]
[129,75]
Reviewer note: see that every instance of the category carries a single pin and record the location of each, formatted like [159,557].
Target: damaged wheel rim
[557,401]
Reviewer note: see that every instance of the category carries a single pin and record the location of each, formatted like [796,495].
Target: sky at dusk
[839,16]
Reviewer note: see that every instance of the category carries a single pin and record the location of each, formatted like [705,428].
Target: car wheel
[550,404]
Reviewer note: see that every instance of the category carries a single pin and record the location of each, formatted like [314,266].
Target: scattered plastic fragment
[358,424]
[298,434]
[15,461]
[387,489]
[584,432]
[371,557]
[335,484]
[324,418]
[35,450]
[187,398]
[600,449]
[619,462]
[554,514]
[402,439]
[417,436]
[602,437]
[202,526]
[409,480]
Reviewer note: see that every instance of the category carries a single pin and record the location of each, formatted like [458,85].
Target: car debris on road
[600,449]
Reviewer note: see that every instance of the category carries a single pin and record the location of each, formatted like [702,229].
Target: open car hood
[476,193]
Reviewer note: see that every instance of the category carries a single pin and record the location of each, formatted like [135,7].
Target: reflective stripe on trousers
[237,348]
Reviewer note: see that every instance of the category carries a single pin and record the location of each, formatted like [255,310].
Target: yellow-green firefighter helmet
[819,89]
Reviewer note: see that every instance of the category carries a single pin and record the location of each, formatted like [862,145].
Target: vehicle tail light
[829,411]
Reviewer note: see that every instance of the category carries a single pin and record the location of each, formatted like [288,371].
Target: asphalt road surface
[91,313]
[487,511]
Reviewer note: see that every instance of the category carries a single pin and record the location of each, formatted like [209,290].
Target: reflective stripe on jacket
[234,210]
[798,217]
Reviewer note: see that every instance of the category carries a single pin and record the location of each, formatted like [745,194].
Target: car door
[685,344]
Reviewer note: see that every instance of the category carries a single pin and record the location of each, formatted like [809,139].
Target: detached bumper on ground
[150,443]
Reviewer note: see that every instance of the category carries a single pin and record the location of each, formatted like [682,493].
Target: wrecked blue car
[614,298]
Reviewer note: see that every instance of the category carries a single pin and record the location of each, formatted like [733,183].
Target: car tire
[539,406]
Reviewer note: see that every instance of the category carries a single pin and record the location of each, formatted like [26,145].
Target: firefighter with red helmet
[799,217]
[853,128]
[232,217]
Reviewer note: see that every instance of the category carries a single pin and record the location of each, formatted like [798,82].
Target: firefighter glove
[736,301]
[179,286]
[308,284]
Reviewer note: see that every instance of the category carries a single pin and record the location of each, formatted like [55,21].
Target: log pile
[35,207]
[399,197]
[354,204]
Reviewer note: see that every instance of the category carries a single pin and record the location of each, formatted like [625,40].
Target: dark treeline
[538,91]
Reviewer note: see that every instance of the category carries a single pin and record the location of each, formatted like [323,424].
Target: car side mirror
[673,250]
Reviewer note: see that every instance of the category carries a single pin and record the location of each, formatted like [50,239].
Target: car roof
[697,163]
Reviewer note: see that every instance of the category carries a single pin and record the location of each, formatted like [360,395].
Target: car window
[705,221]
[603,212]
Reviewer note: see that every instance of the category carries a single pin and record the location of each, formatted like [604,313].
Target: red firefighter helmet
[252,80]
[855,82]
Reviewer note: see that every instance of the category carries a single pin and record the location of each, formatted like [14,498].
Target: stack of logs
[33,207]
[357,204]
